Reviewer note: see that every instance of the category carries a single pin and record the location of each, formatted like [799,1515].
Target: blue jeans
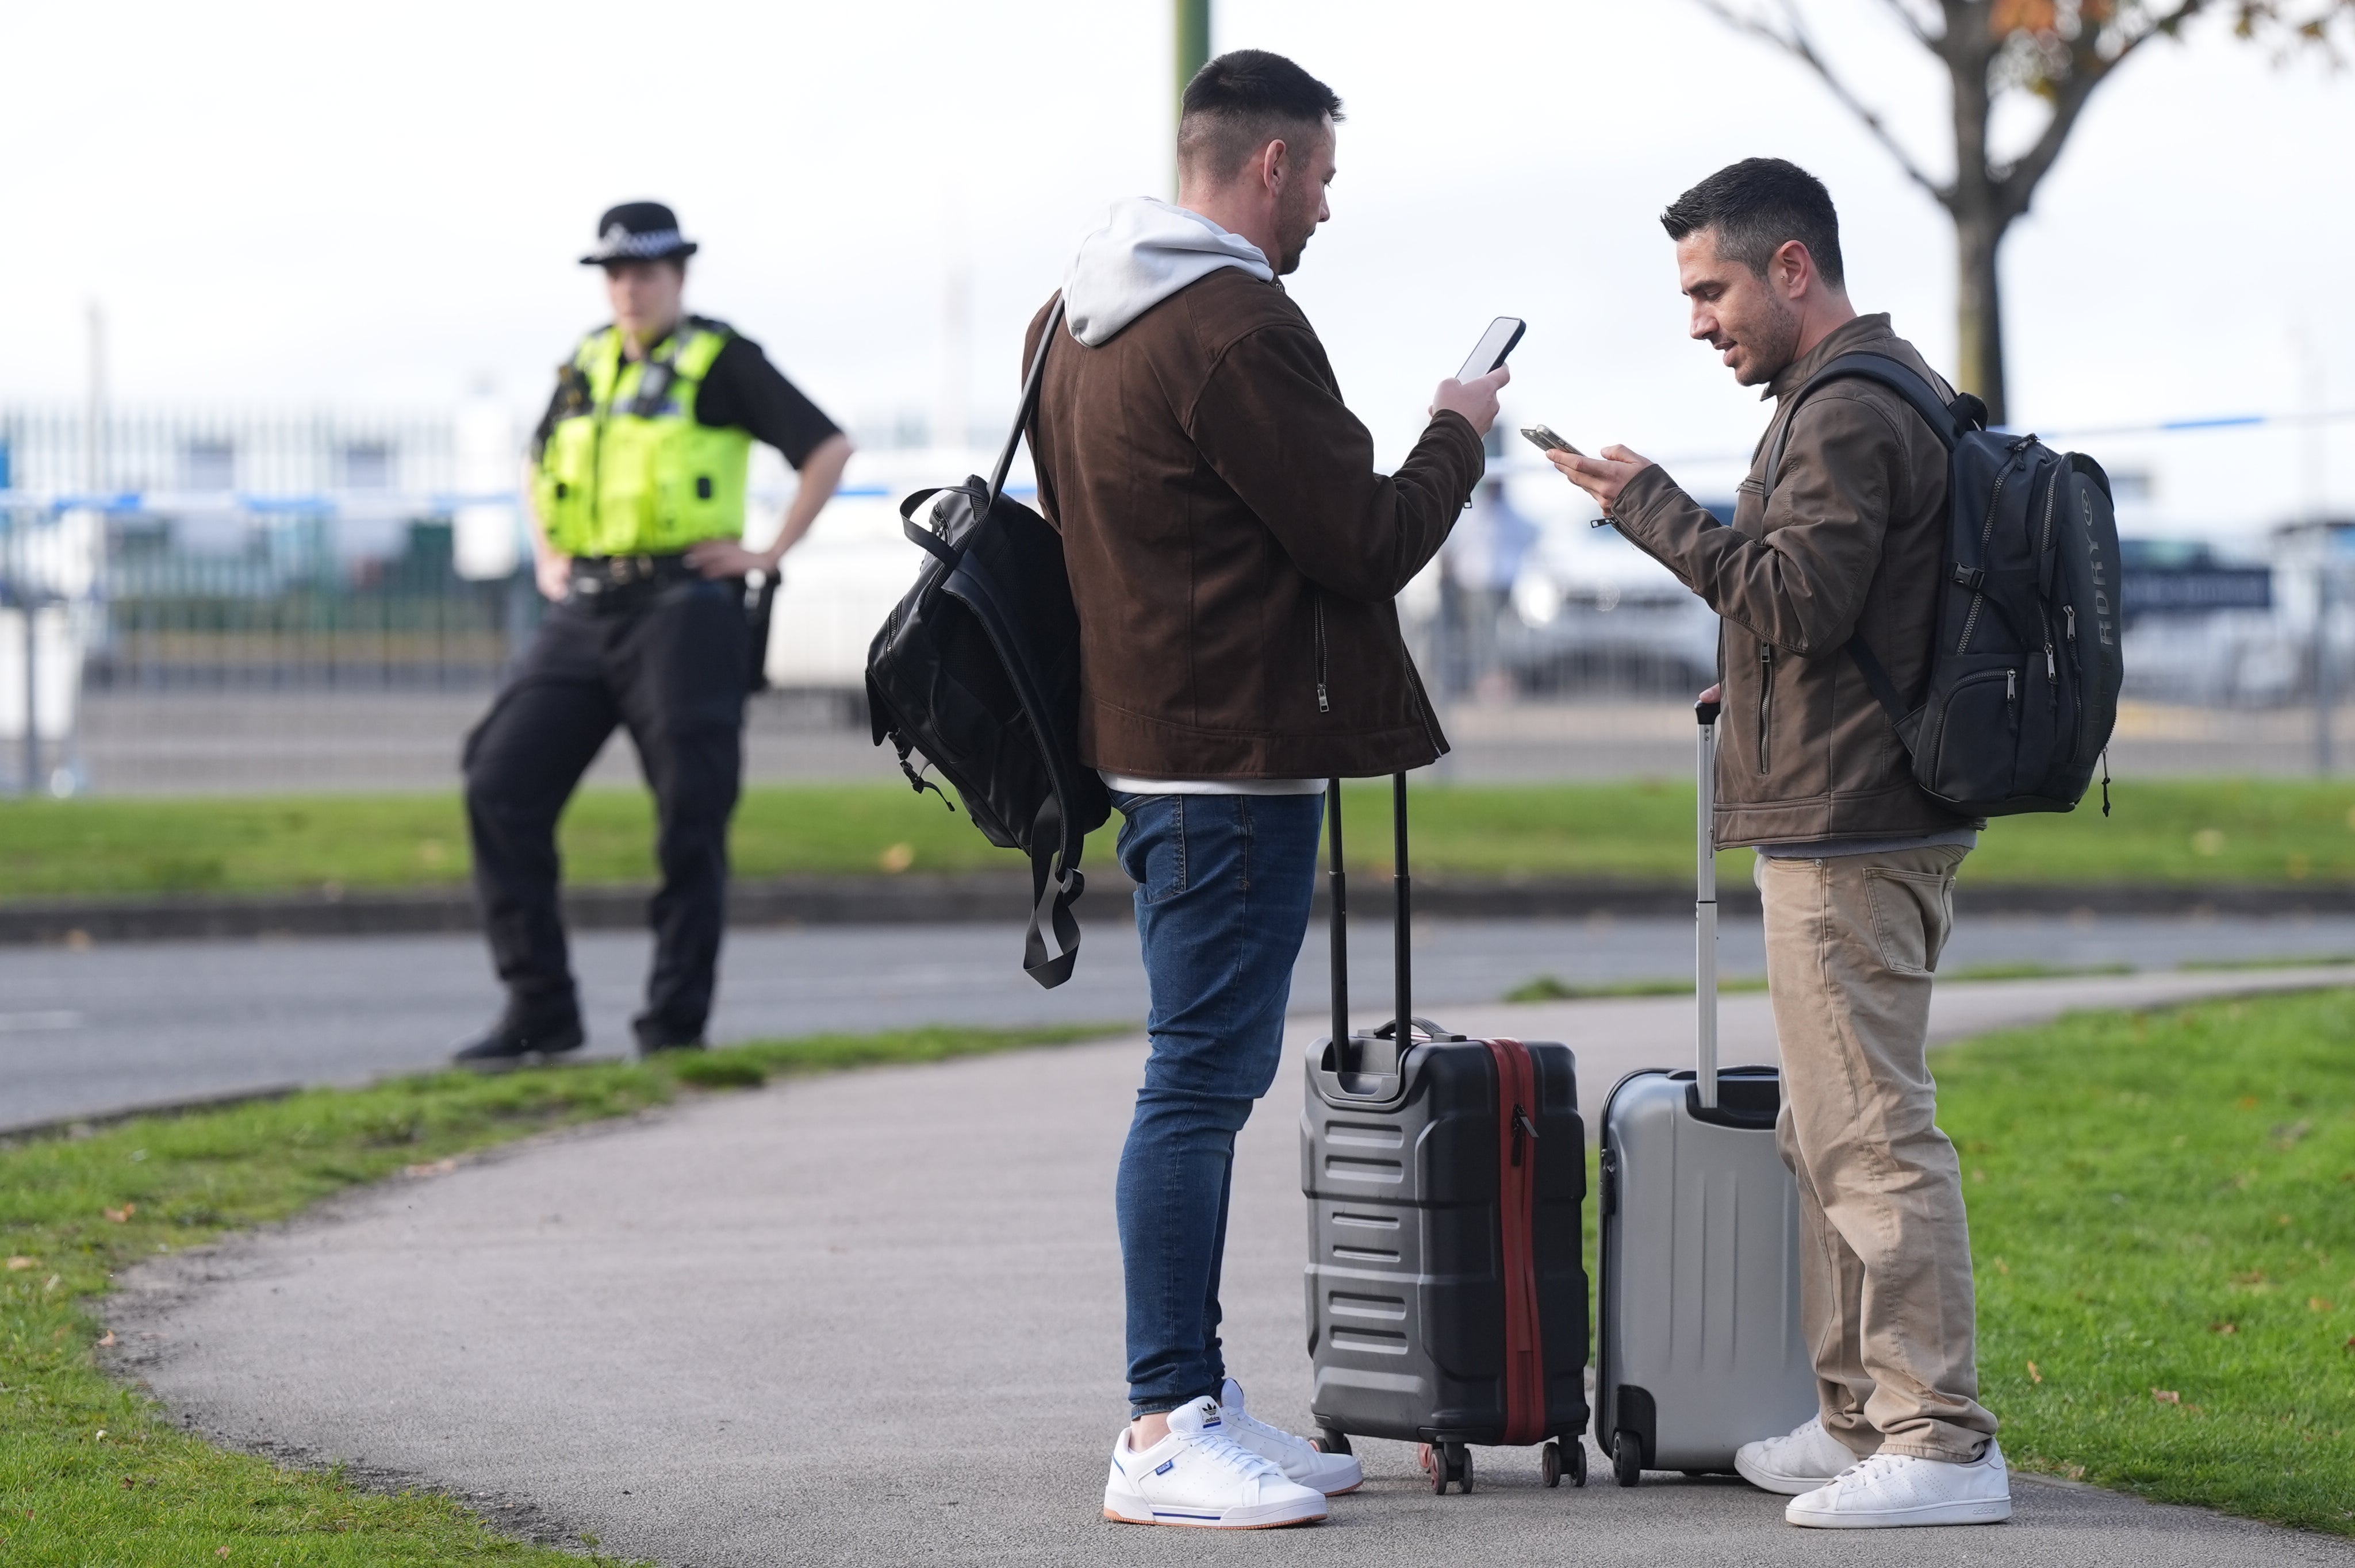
[1223,886]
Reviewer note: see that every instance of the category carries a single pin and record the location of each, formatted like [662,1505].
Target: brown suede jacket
[1233,554]
[1846,536]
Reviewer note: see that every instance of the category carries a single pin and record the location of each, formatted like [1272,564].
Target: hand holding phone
[1472,392]
[1493,346]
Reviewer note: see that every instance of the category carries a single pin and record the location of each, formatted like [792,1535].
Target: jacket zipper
[1987,532]
[1766,698]
[1324,700]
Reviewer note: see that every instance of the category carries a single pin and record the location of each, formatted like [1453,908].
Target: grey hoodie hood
[1147,252]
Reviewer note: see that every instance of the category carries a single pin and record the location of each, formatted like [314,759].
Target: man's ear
[1274,165]
[1792,267]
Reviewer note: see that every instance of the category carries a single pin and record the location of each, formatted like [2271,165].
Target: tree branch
[2017,181]
[1921,34]
[1796,44]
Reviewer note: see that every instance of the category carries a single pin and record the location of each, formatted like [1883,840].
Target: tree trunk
[1978,309]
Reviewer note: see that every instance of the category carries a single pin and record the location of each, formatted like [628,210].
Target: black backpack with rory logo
[2023,681]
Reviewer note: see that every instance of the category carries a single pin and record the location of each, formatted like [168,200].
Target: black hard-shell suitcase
[1444,1175]
[1699,1349]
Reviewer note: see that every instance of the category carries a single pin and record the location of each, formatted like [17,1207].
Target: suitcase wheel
[1563,1455]
[1446,1462]
[1331,1440]
[1627,1458]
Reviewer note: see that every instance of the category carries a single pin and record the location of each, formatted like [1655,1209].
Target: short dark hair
[1238,102]
[1757,206]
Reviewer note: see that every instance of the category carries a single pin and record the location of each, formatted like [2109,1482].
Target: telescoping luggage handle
[1705,905]
[1403,1021]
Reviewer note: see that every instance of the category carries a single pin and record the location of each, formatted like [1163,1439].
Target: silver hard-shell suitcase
[1698,1348]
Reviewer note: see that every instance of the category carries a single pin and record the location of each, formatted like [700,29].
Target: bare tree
[2055,50]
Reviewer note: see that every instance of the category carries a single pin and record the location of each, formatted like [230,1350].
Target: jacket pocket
[1765,703]
[1324,671]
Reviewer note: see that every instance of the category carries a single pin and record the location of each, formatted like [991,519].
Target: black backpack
[2023,688]
[978,669]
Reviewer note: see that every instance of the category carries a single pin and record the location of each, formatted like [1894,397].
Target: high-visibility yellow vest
[627,470]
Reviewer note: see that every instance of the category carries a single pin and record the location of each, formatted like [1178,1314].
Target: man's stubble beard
[1301,224]
[1774,355]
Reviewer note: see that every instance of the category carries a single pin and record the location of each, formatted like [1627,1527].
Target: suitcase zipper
[1525,1380]
[1521,1125]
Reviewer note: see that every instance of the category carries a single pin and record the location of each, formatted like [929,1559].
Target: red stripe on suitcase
[1516,1168]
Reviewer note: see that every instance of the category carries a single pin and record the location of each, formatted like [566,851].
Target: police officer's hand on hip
[636,484]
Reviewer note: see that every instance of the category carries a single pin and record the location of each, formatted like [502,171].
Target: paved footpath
[874,1317]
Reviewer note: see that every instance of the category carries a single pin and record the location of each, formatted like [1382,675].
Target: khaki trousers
[1885,1293]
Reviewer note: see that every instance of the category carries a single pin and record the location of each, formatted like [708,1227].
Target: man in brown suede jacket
[1856,865]
[1234,557]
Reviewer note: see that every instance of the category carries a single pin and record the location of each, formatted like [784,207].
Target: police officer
[636,485]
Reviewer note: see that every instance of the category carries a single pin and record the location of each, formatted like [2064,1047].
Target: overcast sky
[367,203]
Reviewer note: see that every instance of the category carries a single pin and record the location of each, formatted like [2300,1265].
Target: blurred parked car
[1594,613]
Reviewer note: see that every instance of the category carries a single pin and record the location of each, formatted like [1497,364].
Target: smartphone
[1493,344]
[1544,440]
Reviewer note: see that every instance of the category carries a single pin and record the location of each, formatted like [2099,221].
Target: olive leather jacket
[1848,534]
[1233,554]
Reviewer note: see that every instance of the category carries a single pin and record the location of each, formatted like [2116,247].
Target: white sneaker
[1200,1476]
[1798,1463]
[1898,1488]
[1299,1459]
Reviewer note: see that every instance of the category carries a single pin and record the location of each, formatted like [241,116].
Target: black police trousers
[670,663]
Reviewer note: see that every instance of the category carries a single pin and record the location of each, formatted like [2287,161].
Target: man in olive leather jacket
[1856,865]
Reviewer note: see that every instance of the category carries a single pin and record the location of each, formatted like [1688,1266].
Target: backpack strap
[1029,405]
[1947,421]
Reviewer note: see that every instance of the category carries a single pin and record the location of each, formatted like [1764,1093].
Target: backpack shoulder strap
[1029,405]
[1947,421]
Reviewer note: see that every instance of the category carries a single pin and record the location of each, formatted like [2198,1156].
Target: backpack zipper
[1324,702]
[1766,698]
[2010,687]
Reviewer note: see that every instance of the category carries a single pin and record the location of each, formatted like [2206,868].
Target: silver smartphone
[1544,440]
[1493,344]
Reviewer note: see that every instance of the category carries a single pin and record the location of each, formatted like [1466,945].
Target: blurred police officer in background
[636,484]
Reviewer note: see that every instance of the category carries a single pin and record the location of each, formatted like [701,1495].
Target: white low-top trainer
[1299,1459]
[1200,1476]
[1890,1490]
[1799,1463]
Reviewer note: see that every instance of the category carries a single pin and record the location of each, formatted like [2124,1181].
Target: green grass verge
[2163,1223]
[2179,832]
[89,1470]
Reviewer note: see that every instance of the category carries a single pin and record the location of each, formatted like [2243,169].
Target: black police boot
[519,1037]
[656,1034]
